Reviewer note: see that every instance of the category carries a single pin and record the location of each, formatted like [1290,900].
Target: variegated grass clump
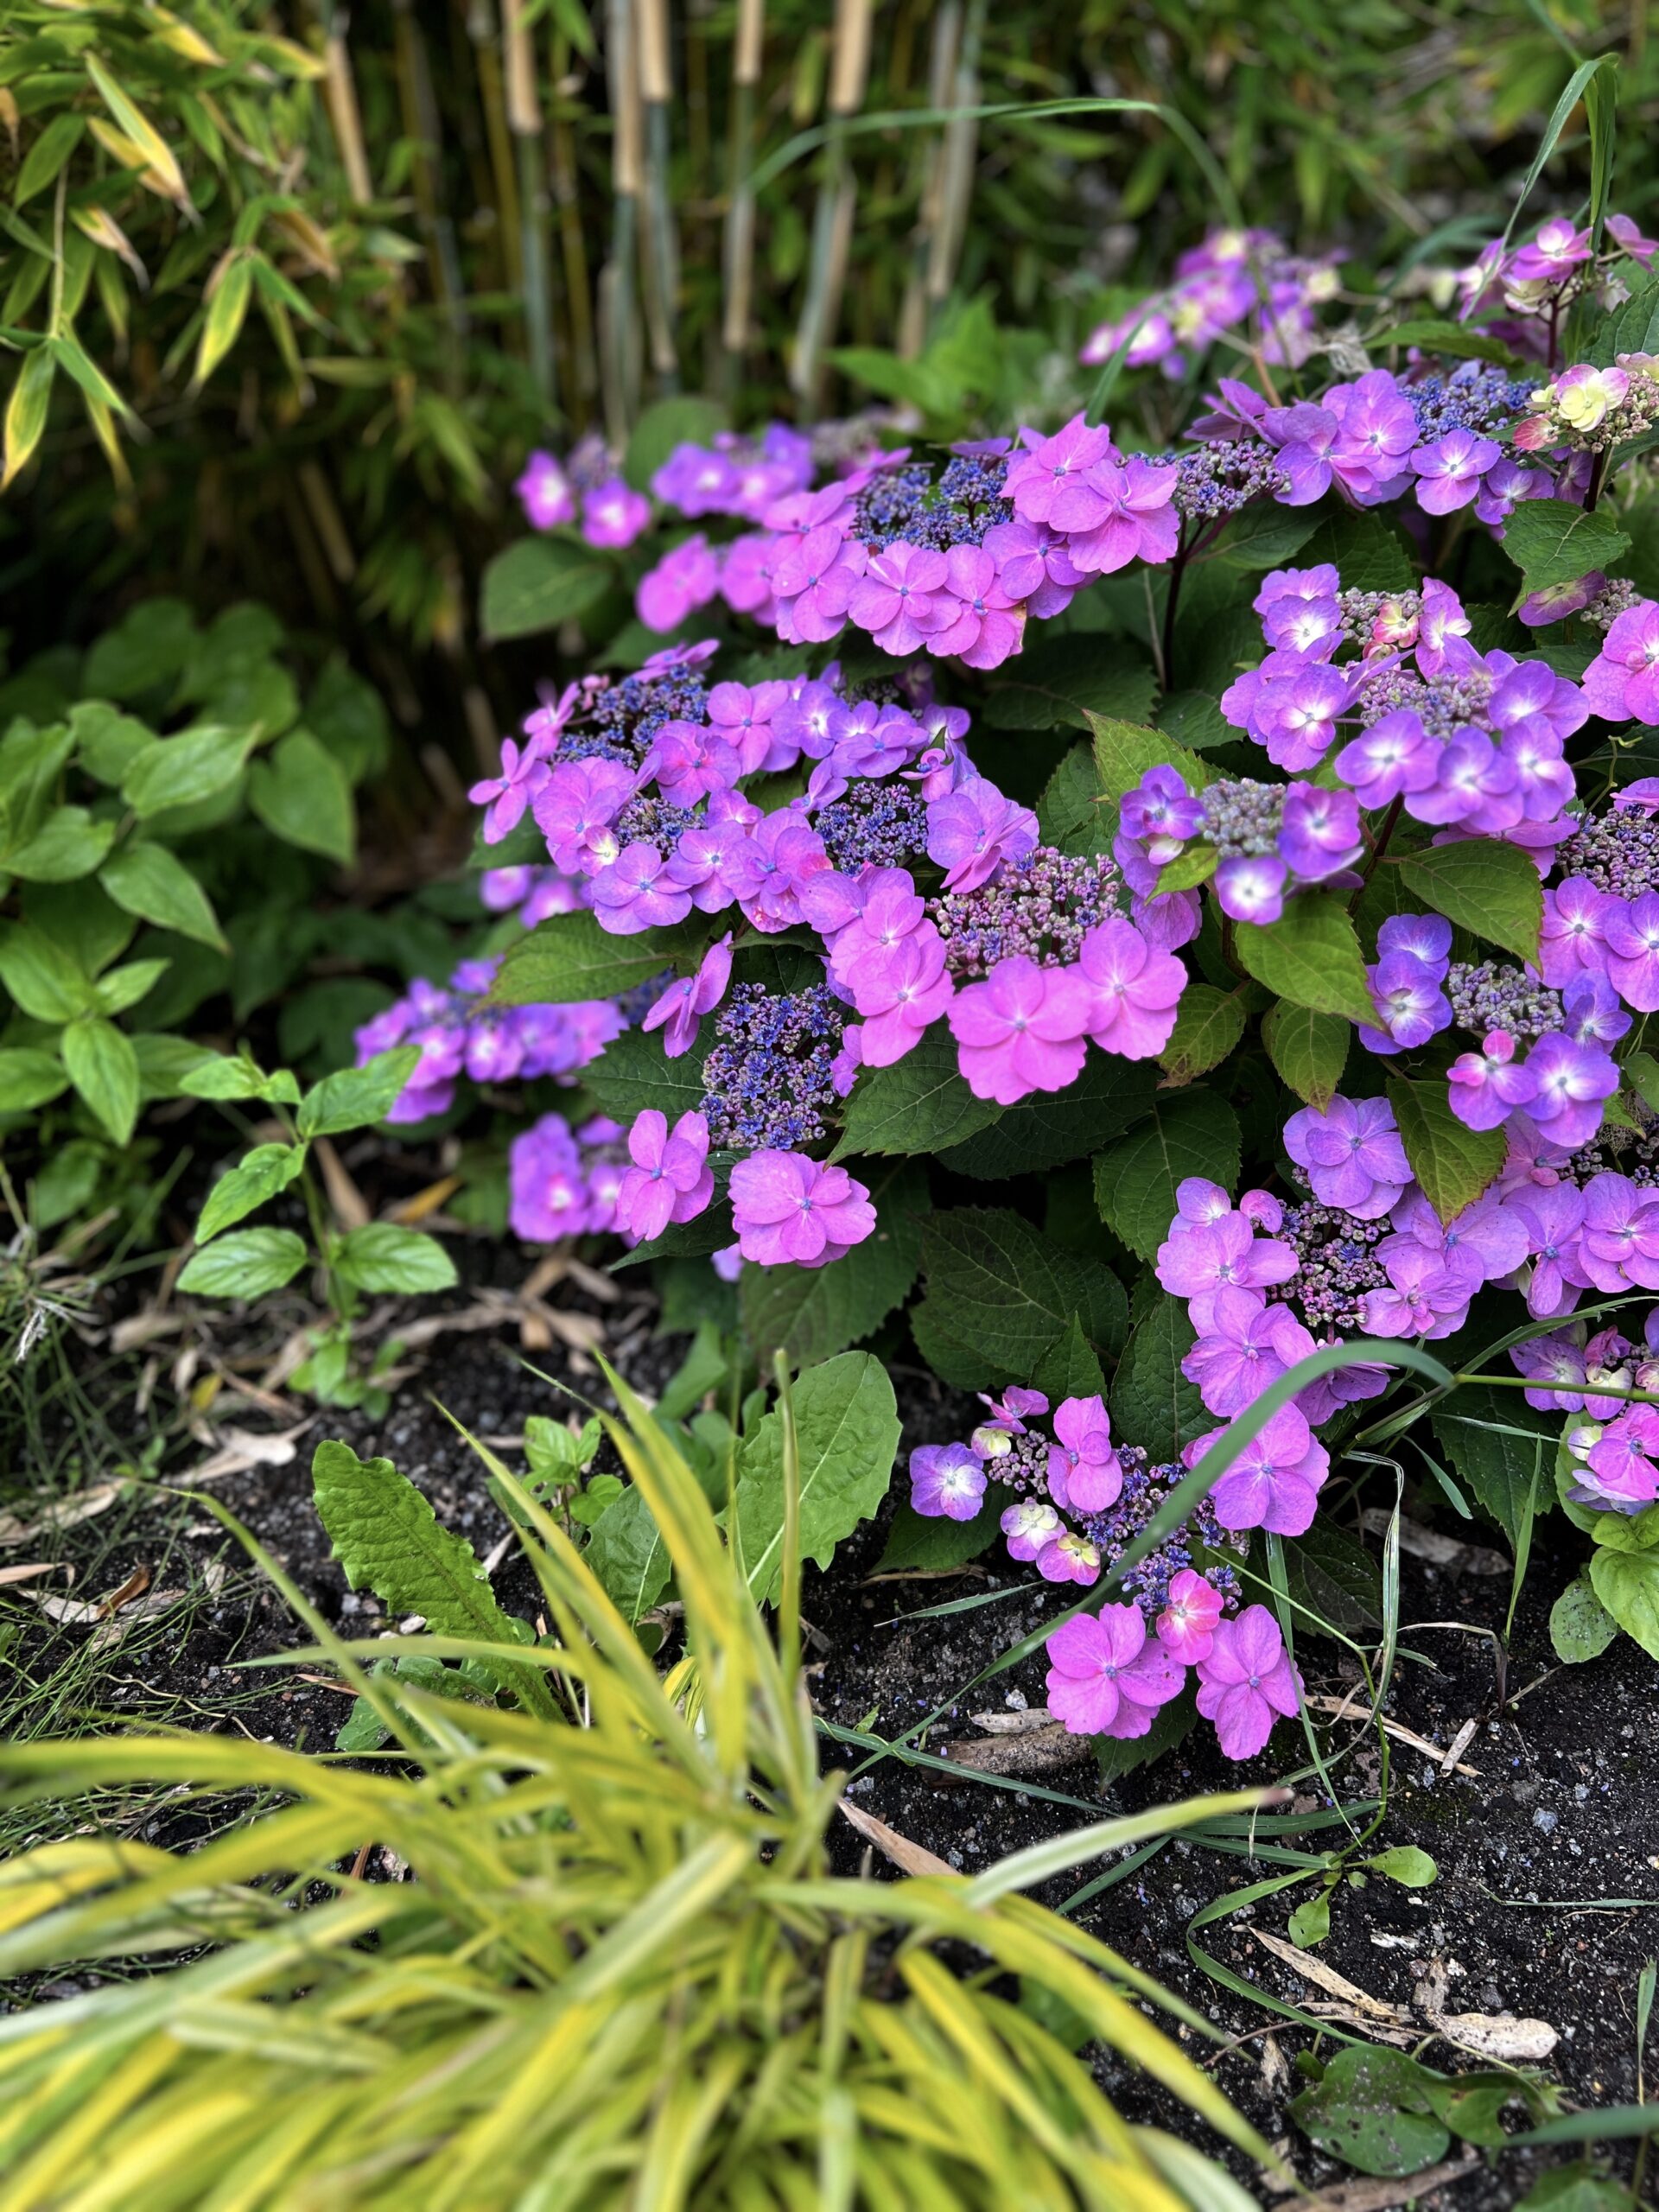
[599,1960]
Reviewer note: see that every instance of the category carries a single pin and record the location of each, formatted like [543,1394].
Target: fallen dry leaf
[239,1449]
[35,1568]
[911,1858]
[1501,2036]
[349,1206]
[134,1586]
[1343,1708]
[1327,1978]
[1382,2195]
[1037,1750]
[110,1632]
[61,1513]
[425,1202]
[1019,1721]
[70,1612]
[1446,1552]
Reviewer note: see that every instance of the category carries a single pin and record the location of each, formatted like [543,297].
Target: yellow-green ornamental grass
[617,1971]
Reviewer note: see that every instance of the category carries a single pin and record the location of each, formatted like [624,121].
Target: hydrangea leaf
[1124,752]
[634,1071]
[1000,1293]
[1335,1576]
[1069,1368]
[1453,1163]
[1116,1756]
[539,583]
[685,420]
[813,1313]
[1553,542]
[918,1104]
[1632,328]
[1070,816]
[1152,1404]
[1485,886]
[1207,1026]
[568,958]
[1135,1179]
[1501,1451]
[847,1430]
[1309,1050]
[1367,552]
[933,1542]
[1310,955]
[1052,1126]
[1066,682]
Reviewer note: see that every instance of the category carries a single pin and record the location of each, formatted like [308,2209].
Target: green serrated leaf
[1135,1179]
[569,957]
[918,1104]
[1485,886]
[539,583]
[1061,682]
[1501,1451]
[1000,1293]
[1309,1050]
[1208,1024]
[184,770]
[103,1068]
[813,1313]
[1311,955]
[626,1550]
[846,1426]
[1152,1401]
[1553,542]
[153,883]
[1049,1128]
[1627,1584]
[1453,1163]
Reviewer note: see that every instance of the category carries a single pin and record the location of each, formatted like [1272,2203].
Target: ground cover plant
[1055,973]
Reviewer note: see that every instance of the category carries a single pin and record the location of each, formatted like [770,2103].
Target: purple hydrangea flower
[544,493]
[614,515]
[1022,1029]
[1395,755]
[974,829]
[1246,1681]
[1134,989]
[1352,1153]
[634,893]
[689,997]
[670,1180]
[1449,471]
[1084,1473]
[1622,683]
[1273,1482]
[1107,1675]
[946,1479]
[1320,832]
[1246,1346]
[787,1208]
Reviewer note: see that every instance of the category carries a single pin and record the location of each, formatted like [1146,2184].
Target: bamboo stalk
[340,92]
[566,198]
[523,108]
[660,256]
[942,65]
[738,246]
[961,143]
[832,224]
[425,132]
[619,330]
[481,29]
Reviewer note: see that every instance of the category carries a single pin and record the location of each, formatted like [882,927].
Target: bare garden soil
[1546,1836]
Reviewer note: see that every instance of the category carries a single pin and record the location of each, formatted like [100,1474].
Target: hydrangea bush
[1127,914]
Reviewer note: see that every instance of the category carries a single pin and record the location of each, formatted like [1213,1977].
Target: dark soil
[1548,1856]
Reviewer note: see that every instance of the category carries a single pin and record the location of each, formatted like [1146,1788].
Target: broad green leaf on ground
[387,1539]
[1135,1179]
[1152,1404]
[381,1256]
[1309,1050]
[302,794]
[634,1071]
[1453,1162]
[248,1264]
[569,957]
[1485,886]
[1311,955]
[1374,2110]
[813,1313]
[1501,1451]
[847,1429]
[1062,681]
[626,1552]
[1208,1024]
[258,1175]
[148,880]
[1553,542]
[355,1098]
[184,770]
[1069,814]
[1627,1584]
[1000,1293]
[103,1068]
[1580,1626]
[1052,1126]
[539,583]
[919,1105]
